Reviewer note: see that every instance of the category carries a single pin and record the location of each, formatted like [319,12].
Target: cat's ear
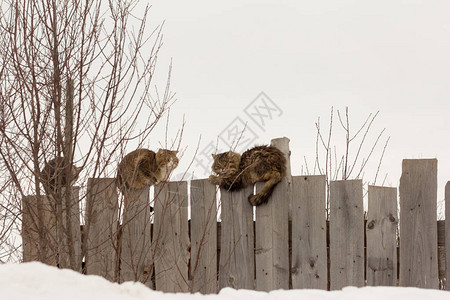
[214,155]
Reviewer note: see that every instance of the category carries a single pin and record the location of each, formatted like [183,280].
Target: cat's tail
[264,194]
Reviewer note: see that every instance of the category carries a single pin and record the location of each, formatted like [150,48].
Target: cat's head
[226,163]
[167,158]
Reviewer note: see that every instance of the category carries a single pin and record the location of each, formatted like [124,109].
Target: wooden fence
[266,250]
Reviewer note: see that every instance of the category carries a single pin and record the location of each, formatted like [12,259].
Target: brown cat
[51,172]
[143,167]
[261,163]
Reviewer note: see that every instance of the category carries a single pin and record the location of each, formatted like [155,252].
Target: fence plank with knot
[309,248]
[381,234]
[346,234]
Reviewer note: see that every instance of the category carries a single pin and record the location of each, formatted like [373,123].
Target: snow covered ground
[37,281]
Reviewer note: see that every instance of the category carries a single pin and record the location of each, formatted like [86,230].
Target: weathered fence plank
[381,234]
[283,145]
[57,249]
[237,257]
[170,237]
[136,254]
[101,229]
[441,253]
[309,245]
[203,237]
[447,233]
[33,250]
[272,233]
[346,234]
[418,230]
[71,214]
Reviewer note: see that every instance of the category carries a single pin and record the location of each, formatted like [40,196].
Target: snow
[38,281]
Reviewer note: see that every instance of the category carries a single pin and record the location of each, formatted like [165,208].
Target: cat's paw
[252,199]
[213,179]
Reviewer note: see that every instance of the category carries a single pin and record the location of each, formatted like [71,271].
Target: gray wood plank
[283,145]
[381,234]
[136,255]
[309,245]
[447,233]
[74,218]
[346,234]
[101,229]
[272,234]
[441,252]
[170,237]
[237,257]
[32,249]
[418,230]
[203,237]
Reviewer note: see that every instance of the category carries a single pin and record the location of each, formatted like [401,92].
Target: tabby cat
[143,167]
[51,172]
[261,163]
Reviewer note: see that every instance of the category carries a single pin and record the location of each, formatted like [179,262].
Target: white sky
[307,56]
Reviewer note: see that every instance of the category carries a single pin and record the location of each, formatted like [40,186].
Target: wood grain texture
[136,255]
[381,234]
[346,234]
[101,229]
[55,250]
[441,251]
[73,217]
[170,237]
[32,249]
[272,234]
[237,258]
[447,232]
[203,237]
[309,248]
[283,145]
[418,230]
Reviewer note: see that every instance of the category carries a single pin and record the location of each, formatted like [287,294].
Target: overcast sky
[309,56]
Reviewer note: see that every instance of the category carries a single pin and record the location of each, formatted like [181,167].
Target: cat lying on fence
[52,173]
[261,163]
[143,167]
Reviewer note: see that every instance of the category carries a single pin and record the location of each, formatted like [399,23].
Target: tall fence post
[272,233]
[309,245]
[346,234]
[203,237]
[170,237]
[135,258]
[237,257]
[101,228]
[381,234]
[418,230]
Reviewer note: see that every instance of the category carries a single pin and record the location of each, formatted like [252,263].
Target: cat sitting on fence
[261,163]
[51,174]
[143,167]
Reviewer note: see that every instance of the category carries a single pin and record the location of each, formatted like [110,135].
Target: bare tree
[359,147]
[75,83]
